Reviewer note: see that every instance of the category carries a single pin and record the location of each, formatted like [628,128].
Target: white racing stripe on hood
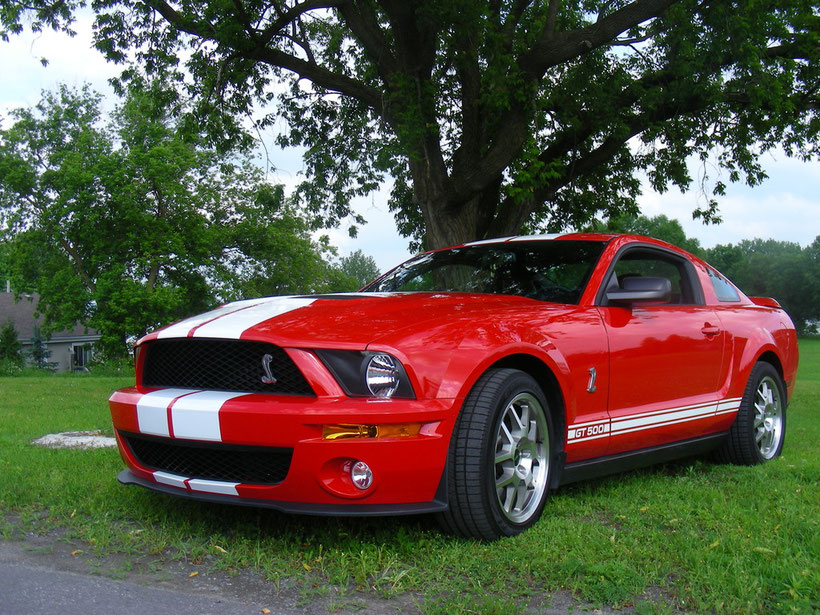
[183,327]
[232,325]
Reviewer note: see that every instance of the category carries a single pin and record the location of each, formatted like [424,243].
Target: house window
[80,356]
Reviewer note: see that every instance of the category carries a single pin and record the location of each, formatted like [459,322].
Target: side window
[642,262]
[724,291]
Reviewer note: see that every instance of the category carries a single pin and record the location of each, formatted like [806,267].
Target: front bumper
[407,470]
[127,477]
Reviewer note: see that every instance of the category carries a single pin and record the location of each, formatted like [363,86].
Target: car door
[665,358]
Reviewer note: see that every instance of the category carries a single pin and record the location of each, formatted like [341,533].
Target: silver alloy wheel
[521,458]
[768,419]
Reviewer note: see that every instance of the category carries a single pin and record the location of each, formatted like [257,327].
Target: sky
[785,207]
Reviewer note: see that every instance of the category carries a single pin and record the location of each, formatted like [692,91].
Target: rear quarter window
[724,291]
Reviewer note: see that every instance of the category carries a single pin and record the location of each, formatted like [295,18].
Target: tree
[360,267]
[10,347]
[659,227]
[813,277]
[778,269]
[133,224]
[39,353]
[491,115]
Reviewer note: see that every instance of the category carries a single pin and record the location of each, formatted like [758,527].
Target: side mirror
[640,289]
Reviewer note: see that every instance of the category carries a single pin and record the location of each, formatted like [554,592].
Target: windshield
[546,270]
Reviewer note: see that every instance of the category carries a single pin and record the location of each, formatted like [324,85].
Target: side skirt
[631,460]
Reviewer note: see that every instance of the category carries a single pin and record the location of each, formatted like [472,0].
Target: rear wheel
[500,459]
[760,428]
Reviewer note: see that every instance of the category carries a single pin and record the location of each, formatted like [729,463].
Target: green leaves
[133,224]
[778,269]
[490,116]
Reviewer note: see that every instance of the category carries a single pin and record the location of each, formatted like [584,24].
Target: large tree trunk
[449,223]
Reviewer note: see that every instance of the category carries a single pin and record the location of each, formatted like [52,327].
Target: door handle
[710,329]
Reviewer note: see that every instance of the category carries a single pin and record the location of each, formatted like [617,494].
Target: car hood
[344,320]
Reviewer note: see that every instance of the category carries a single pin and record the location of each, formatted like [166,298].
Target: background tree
[39,352]
[360,267]
[132,224]
[660,227]
[11,355]
[778,269]
[491,115]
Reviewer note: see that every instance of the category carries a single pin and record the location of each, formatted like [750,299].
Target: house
[70,350]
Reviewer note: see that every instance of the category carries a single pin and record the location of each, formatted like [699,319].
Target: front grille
[257,465]
[223,365]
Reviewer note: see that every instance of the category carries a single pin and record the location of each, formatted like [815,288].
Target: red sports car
[467,382]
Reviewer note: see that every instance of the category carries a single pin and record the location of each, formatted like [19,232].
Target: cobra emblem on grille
[268,378]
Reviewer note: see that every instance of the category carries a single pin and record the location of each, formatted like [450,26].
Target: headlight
[368,374]
[383,375]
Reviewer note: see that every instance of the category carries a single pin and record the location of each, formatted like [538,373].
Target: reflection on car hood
[344,320]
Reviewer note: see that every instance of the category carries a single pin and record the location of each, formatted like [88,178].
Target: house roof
[21,315]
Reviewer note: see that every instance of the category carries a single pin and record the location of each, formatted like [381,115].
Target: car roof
[549,237]
[620,239]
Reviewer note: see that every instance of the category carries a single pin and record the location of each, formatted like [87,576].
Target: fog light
[361,475]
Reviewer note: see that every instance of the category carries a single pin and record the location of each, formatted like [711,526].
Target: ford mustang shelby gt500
[467,382]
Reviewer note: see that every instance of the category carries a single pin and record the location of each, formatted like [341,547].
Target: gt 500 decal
[586,433]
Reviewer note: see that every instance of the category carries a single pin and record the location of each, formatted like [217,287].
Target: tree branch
[296,11]
[365,27]
[608,148]
[319,75]
[552,17]
[553,49]
[512,21]
[78,264]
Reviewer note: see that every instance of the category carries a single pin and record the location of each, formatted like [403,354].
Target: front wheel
[500,458]
[760,427]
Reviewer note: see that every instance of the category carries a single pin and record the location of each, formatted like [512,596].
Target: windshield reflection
[548,270]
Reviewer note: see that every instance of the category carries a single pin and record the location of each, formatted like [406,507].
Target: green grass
[698,536]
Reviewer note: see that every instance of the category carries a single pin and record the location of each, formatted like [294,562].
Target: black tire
[498,473]
[759,430]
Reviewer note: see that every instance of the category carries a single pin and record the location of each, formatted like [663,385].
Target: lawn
[692,536]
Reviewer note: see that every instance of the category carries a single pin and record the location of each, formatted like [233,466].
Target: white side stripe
[196,416]
[152,411]
[594,430]
[629,423]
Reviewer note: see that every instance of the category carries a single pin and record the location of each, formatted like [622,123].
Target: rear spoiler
[765,302]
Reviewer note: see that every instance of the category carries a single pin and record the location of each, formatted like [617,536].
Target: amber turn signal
[390,430]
